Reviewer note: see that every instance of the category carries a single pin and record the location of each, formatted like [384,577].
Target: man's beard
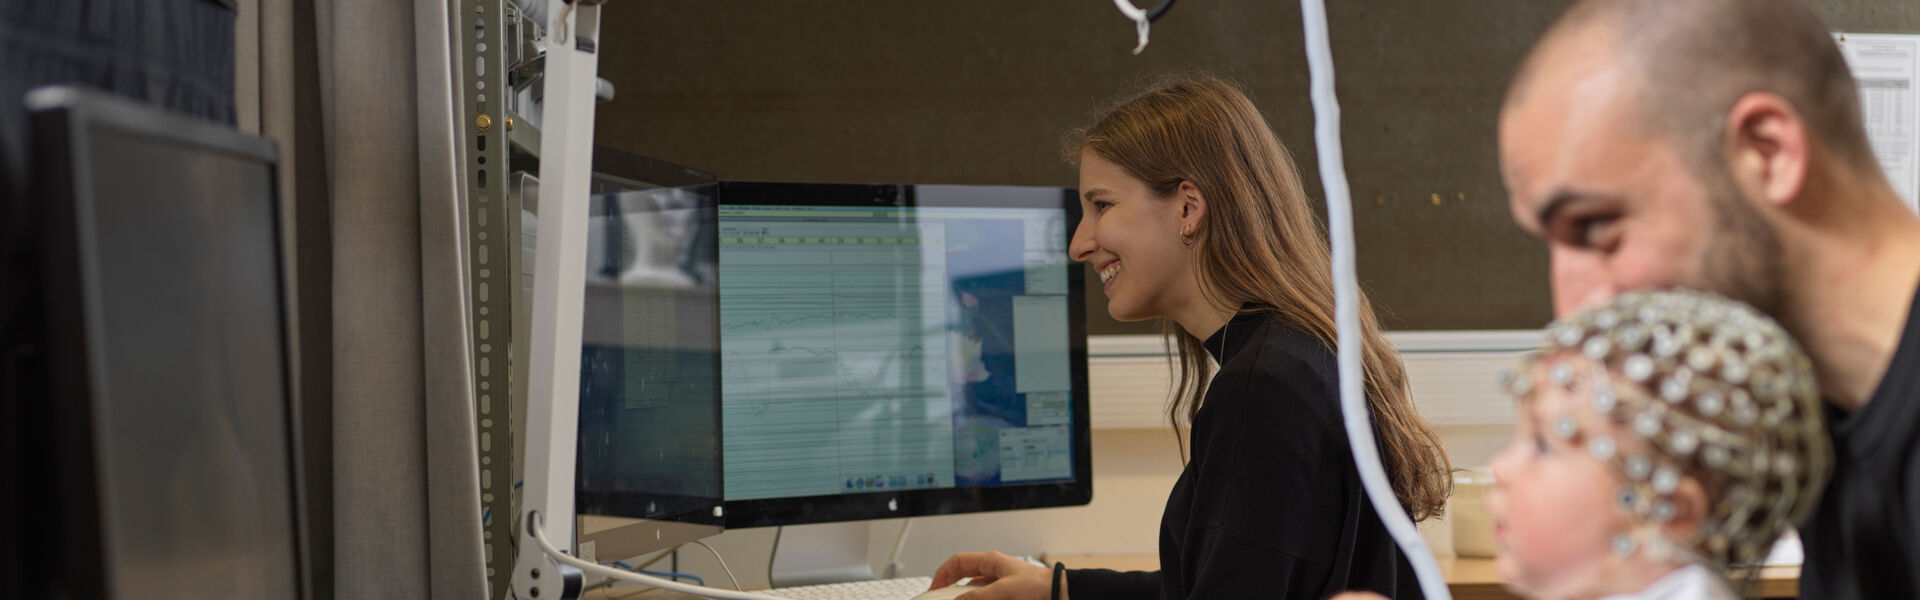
[1743,258]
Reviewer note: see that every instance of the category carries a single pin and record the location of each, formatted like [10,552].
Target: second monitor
[894,351]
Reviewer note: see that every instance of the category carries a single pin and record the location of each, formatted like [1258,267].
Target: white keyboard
[903,588]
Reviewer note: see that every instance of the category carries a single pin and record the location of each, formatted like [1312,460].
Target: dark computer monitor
[648,469]
[166,450]
[900,350]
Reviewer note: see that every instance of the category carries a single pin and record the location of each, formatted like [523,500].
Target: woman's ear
[1193,206]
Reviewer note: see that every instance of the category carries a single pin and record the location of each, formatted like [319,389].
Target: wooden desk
[1469,578]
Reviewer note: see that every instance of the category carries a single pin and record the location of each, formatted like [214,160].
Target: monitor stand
[817,554]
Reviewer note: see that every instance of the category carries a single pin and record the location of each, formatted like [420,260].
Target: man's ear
[1768,148]
[1193,206]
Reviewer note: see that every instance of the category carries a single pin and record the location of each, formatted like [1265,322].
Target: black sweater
[1270,504]
[1864,539]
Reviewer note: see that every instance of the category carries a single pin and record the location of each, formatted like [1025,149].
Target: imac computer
[892,351]
[648,464]
[791,354]
[160,437]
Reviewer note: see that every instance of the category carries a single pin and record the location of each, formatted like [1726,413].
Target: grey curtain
[360,95]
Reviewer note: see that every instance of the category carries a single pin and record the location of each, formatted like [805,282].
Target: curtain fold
[457,563]
[364,89]
[277,96]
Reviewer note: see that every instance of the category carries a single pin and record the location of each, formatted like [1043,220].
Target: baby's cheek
[1532,561]
[1527,543]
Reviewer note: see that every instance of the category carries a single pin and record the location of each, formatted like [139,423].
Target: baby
[1665,440]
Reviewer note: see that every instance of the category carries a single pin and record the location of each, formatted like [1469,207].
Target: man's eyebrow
[1560,199]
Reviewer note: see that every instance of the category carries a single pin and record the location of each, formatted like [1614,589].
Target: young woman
[1194,212]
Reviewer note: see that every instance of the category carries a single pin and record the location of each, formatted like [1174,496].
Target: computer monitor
[899,350]
[165,449]
[648,470]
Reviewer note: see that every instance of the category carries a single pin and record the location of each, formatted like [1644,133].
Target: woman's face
[1552,502]
[1132,239]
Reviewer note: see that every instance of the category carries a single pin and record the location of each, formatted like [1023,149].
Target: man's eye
[1587,231]
[1593,232]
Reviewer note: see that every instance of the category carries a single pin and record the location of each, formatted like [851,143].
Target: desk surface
[1469,578]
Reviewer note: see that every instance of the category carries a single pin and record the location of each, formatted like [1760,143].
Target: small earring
[1186,235]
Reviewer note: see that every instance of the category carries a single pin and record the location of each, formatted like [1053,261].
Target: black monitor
[648,469]
[165,461]
[900,350]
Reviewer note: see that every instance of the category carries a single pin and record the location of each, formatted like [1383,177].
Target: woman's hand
[999,576]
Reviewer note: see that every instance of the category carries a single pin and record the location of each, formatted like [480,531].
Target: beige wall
[1133,470]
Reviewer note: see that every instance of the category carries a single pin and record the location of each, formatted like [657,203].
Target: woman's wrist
[1059,581]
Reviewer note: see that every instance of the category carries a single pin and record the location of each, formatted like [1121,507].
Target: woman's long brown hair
[1259,242]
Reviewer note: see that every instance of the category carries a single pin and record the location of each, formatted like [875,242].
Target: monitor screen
[648,468]
[650,362]
[891,351]
[170,353]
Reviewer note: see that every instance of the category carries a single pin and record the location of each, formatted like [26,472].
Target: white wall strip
[1451,372]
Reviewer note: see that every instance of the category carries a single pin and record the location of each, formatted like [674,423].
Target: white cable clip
[1139,18]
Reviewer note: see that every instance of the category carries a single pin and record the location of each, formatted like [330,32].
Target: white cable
[723,563]
[899,543]
[539,537]
[1353,406]
[641,567]
[1139,18]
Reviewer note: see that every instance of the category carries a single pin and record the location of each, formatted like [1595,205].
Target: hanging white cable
[1353,403]
[723,563]
[899,543]
[539,537]
[1140,21]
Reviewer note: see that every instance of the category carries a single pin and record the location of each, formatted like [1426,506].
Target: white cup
[1472,525]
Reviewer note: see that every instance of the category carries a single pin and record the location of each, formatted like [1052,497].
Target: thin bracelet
[1059,570]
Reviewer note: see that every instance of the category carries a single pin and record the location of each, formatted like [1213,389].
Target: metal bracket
[480,42]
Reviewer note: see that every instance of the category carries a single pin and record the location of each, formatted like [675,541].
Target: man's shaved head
[1635,137]
[1688,61]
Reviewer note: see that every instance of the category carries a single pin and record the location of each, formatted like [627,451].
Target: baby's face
[1552,501]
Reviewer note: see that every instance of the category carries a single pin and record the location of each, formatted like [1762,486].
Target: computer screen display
[890,351]
[170,356]
[648,469]
[649,369]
